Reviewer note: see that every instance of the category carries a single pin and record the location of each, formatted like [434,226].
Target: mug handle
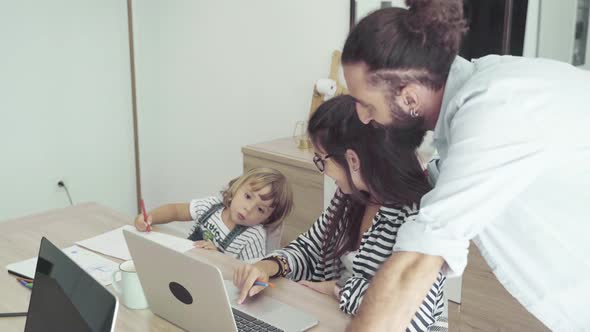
[116,286]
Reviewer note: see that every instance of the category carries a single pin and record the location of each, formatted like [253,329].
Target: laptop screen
[66,298]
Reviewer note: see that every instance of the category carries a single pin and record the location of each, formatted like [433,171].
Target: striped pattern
[305,254]
[249,245]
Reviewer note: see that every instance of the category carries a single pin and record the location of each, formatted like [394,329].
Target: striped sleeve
[198,207]
[428,315]
[255,244]
[441,323]
[429,311]
[305,257]
[352,294]
[376,248]
[305,254]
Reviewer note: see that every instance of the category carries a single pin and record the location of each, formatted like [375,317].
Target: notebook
[113,243]
[100,268]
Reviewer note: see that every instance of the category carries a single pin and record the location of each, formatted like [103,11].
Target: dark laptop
[66,298]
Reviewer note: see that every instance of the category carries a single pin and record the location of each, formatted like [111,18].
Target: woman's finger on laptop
[256,289]
[243,272]
[238,276]
[248,282]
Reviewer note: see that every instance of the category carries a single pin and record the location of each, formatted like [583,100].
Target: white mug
[130,291]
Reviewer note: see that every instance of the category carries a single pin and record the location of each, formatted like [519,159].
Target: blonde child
[236,223]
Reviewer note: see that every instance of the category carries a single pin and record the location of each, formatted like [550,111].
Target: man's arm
[396,292]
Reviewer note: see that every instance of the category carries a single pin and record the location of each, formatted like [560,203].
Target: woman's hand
[141,224]
[324,287]
[205,244]
[244,278]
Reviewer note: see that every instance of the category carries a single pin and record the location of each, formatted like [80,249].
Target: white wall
[214,76]
[550,30]
[531,32]
[556,30]
[65,105]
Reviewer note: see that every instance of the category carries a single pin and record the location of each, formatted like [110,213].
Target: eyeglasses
[320,162]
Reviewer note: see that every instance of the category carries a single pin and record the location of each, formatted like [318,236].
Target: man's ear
[410,100]
[354,163]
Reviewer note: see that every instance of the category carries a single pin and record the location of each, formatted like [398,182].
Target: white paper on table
[24,268]
[113,243]
[100,268]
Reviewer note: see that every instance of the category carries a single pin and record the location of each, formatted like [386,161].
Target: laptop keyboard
[247,323]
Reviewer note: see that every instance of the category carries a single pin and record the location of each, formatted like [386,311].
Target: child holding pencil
[235,224]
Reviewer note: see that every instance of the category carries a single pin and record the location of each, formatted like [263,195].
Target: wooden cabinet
[307,183]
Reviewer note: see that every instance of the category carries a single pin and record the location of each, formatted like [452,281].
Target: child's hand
[244,278]
[140,222]
[205,244]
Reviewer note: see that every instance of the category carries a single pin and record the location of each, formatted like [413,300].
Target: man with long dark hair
[514,164]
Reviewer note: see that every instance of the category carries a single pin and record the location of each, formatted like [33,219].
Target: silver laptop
[192,294]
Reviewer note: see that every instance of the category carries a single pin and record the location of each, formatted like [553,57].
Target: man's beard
[405,131]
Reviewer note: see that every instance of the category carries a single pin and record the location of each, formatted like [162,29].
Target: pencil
[264,284]
[145,216]
[26,284]
[16,274]
[12,314]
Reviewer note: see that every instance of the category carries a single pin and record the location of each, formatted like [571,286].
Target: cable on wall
[62,184]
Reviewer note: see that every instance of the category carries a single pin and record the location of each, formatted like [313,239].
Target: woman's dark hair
[419,43]
[393,176]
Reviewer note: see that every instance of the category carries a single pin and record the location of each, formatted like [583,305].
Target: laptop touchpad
[270,310]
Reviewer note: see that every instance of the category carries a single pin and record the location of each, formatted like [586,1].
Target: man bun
[439,22]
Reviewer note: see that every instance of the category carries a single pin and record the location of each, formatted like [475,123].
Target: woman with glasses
[379,189]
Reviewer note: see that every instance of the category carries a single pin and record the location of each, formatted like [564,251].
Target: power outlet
[55,183]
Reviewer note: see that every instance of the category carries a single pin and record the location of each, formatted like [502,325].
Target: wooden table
[20,238]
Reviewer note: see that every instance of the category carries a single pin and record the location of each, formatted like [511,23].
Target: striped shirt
[305,253]
[249,245]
